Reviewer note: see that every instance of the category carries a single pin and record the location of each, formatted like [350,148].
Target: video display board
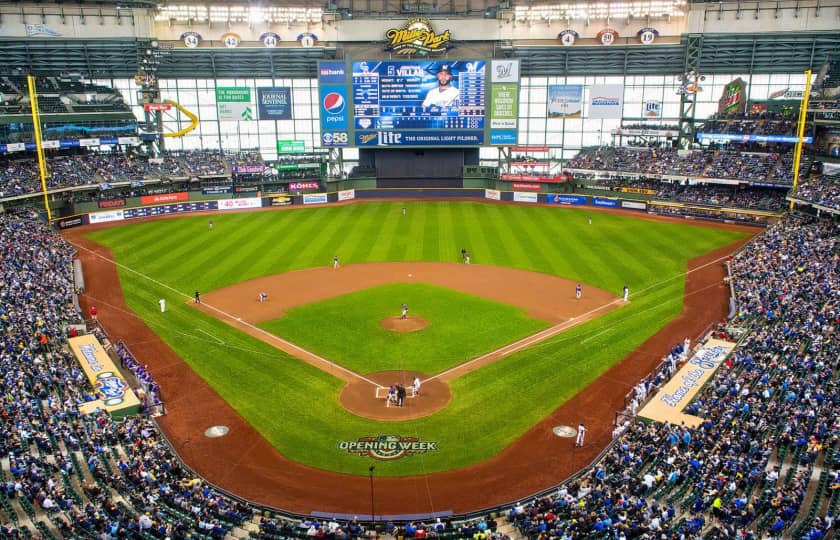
[418,103]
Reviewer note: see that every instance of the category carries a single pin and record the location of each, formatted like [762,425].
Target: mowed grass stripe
[448,249]
[416,233]
[387,234]
[491,406]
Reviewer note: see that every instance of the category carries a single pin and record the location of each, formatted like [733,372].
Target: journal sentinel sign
[275,103]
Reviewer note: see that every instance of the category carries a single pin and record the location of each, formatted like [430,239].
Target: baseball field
[248,352]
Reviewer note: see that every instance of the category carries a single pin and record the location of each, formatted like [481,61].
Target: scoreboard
[405,103]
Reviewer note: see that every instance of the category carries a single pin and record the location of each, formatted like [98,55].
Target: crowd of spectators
[761,123]
[713,162]
[770,413]
[823,190]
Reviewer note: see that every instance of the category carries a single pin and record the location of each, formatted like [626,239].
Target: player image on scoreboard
[445,94]
[423,95]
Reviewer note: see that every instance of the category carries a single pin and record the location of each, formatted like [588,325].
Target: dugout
[418,167]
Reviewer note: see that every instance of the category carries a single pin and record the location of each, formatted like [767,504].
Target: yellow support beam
[39,147]
[800,131]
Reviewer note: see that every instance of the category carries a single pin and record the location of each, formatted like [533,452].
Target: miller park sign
[417,36]
[388,447]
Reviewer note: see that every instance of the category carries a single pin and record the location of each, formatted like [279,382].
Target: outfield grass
[461,327]
[295,406]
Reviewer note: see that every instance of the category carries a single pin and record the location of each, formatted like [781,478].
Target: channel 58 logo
[334,138]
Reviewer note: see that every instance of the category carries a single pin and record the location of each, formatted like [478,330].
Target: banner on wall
[233,103]
[565,100]
[519,196]
[504,105]
[275,103]
[652,108]
[605,100]
[734,98]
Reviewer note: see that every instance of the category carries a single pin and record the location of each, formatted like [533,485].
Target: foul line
[550,332]
[238,320]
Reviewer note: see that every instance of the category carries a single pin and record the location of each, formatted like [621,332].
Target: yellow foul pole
[800,132]
[39,147]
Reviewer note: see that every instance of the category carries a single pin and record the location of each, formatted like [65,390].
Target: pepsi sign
[333,108]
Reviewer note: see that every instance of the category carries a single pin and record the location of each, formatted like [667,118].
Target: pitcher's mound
[409,324]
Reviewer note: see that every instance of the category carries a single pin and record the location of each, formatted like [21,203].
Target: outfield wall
[180,203]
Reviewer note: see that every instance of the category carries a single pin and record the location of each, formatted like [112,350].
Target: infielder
[335,261]
[263,296]
[580,435]
[578,291]
[416,386]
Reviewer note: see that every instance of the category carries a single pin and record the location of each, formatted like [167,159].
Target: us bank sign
[388,447]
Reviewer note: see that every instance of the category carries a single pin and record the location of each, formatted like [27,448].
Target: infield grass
[295,406]
[461,327]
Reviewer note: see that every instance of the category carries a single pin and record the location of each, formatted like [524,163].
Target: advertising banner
[605,100]
[114,393]
[634,205]
[565,100]
[315,198]
[607,203]
[504,105]
[216,190]
[529,186]
[727,137]
[69,223]
[493,194]
[531,178]
[347,195]
[249,169]
[641,191]
[234,103]
[111,203]
[334,115]
[291,146]
[275,103]
[567,199]
[420,138]
[332,73]
[503,137]
[105,217]
[239,204]
[301,186]
[165,198]
[524,197]
[166,209]
[652,109]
